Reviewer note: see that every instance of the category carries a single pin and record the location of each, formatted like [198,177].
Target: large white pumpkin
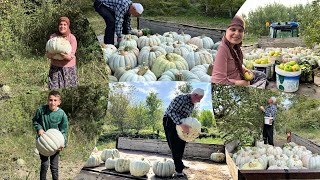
[202,42]
[110,162]
[122,165]
[194,130]
[139,167]
[107,153]
[203,72]
[58,45]
[138,74]
[122,59]
[93,161]
[218,157]
[176,75]
[163,168]
[108,50]
[50,142]
[149,54]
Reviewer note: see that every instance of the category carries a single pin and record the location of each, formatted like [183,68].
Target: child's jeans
[54,166]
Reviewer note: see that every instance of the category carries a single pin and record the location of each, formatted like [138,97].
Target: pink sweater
[65,63]
[225,70]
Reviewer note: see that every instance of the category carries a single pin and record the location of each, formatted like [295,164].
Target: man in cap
[269,114]
[180,107]
[116,14]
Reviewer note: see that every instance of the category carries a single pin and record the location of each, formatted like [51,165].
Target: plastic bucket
[266,68]
[267,120]
[287,81]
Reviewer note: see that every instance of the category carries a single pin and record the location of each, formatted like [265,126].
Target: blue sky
[166,91]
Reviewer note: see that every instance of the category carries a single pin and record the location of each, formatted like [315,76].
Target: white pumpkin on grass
[176,75]
[108,50]
[107,153]
[93,161]
[128,41]
[122,165]
[204,72]
[218,157]
[164,168]
[194,130]
[58,45]
[259,143]
[147,41]
[110,162]
[183,37]
[139,74]
[149,54]
[140,167]
[169,61]
[198,57]
[253,165]
[202,42]
[49,143]
[122,59]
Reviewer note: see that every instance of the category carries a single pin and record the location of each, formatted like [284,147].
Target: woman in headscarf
[63,73]
[228,66]
[269,116]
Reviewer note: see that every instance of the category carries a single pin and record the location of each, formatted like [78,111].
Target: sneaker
[179,175]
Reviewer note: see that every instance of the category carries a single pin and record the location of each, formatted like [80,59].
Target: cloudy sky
[166,91]
[251,5]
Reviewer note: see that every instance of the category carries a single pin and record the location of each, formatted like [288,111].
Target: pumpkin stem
[182,33]
[103,45]
[123,52]
[142,70]
[179,77]
[210,69]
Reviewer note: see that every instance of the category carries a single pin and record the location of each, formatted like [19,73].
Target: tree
[153,104]
[118,106]
[237,113]
[138,116]
[311,23]
[184,88]
[206,118]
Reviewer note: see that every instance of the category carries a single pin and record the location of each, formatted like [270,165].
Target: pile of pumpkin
[137,167]
[307,59]
[167,57]
[262,157]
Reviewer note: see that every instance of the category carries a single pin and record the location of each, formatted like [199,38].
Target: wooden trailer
[196,157]
[272,174]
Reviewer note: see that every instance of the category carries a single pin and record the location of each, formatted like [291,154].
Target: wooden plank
[192,150]
[231,165]
[280,174]
[313,147]
[161,27]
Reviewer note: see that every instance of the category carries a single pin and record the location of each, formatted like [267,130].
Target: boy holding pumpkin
[180,107]
[50,116]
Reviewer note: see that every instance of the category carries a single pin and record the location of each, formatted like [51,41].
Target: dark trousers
[268,134]
[109,18]
[54,166]
[176,145]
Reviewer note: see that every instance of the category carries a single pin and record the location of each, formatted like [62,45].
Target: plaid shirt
[271,110]
[121,10]
[181,107]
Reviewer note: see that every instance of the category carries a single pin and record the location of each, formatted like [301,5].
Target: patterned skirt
[62,77]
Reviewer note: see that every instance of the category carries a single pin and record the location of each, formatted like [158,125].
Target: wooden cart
[272,174]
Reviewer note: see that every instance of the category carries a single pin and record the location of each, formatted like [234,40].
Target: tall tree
[118,106]
[206,118]
[138,116]
[153,104]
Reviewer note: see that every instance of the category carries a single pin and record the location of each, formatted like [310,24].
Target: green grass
[210,141]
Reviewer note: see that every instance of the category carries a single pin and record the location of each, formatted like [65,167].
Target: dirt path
[199,170]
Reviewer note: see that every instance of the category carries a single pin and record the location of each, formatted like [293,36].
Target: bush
[28,25]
